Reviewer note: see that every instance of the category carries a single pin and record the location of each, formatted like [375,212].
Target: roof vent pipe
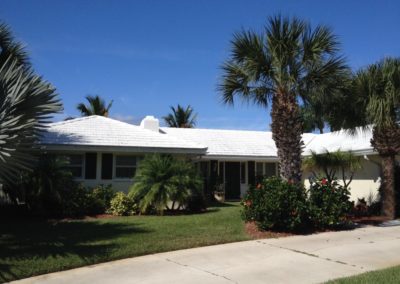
[150,123]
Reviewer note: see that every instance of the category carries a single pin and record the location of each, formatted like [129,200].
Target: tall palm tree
[27,102]
[96,106]
[377,91]
[286,64]
[312,118]
[181,117]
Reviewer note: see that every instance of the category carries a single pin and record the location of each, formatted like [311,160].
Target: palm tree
[377,91]
[163,178]
[181,117]
[27,103]
[312,118]
[96,106]
[286,64]
[331,162]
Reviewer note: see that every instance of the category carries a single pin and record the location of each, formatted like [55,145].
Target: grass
[387,276]
[32,247]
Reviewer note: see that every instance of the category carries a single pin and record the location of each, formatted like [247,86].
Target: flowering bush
[329,203]
[275,204]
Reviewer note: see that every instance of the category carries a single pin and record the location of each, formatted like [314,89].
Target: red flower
[248,203]
[259,186]
[290,181]
[324,181]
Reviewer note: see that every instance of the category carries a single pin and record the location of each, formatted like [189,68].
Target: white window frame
[115,166]
[82,176]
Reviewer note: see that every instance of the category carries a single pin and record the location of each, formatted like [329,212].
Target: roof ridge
[62,122]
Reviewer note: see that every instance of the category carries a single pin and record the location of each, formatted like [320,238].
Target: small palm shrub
[275,204]
[122,205]
[164,182]
[329,203]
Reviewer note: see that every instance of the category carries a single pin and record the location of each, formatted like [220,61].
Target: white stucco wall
[365,181]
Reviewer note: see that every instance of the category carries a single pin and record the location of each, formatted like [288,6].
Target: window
[75,165]
[242,172]
[270,169]
[90,165]
[259,169]
[106,166]
[125,166]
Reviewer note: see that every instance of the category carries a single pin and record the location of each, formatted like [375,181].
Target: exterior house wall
[366,181]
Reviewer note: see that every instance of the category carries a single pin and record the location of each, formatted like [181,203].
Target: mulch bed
[369,220]
[255,233]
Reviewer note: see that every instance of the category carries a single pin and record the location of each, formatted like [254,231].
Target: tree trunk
[388,187]
[287,129]
[387,142]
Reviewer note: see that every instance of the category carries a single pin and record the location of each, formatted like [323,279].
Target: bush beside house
[275,204]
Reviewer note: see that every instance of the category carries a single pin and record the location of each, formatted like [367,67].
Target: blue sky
[148,55]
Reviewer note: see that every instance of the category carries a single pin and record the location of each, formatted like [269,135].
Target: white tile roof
[106,132]
[238,143]
[359,142]
[235,143]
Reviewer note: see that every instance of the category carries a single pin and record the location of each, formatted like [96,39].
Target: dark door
[232,180]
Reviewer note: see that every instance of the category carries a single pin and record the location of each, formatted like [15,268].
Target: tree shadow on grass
[88,241]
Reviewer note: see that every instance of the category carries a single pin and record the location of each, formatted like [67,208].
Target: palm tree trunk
[388,186]
[387,142]
[287,129]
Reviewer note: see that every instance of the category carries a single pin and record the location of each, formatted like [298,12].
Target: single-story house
[107,151]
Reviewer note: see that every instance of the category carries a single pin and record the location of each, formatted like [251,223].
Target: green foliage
[44,187]
[122,205]
[287,63]
[165,182]
[79,201]
[275,204]
[96,106]
[329,203]
[329,163]
[27,102]
[181,117]
[103,194]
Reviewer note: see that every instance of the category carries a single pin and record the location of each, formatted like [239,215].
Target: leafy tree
[181,117]
[332,162]
[376,104]
[96,106]
[27,102]
[286,64]
[161,179]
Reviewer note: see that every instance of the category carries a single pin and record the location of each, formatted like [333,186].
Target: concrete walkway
[300,259]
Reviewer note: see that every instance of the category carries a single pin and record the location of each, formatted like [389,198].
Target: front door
[232,180]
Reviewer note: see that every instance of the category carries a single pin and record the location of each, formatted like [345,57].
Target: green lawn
[35,247]
[386,276]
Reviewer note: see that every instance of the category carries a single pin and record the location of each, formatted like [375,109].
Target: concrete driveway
[300,259]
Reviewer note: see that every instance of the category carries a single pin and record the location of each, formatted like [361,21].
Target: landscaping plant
[329,203]
[122,205]
[165,182]
[275,204]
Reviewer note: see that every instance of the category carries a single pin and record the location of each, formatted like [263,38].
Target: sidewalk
[300,259]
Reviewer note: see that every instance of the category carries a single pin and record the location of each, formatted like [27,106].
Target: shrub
[122,205]
[275,204]
[79,201]
[329,203]
[164,182]
[103,196]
